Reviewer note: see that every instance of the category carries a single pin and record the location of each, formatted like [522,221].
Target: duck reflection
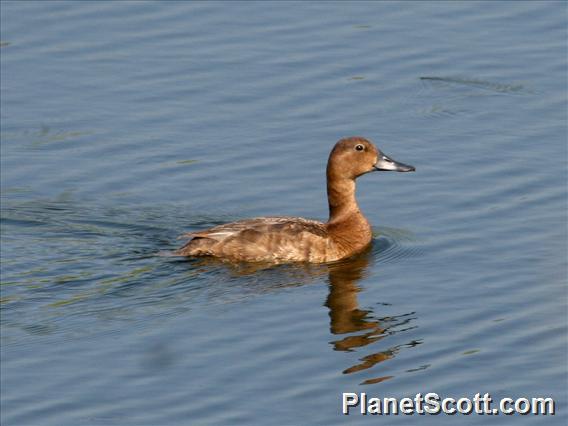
[354,327]
[346,317]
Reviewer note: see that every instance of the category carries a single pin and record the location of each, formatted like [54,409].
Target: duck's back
[271,239]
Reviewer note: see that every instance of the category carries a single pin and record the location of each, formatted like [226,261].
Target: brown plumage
[293,239]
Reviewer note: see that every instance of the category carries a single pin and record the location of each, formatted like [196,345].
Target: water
[126,124]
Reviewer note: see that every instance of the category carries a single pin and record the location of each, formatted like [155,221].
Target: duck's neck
[341,199]
[346,224]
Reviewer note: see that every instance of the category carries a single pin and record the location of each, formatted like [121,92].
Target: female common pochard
[293,239]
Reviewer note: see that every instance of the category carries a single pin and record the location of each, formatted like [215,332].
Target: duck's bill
[387,164]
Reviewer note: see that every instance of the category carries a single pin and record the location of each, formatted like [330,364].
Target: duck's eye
[359,147]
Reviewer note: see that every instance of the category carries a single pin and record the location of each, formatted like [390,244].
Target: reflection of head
[346,317]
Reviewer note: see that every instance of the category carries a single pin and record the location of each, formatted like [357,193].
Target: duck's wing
[261,224]
[262,237]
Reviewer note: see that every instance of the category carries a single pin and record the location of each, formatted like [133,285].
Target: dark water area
[126,124]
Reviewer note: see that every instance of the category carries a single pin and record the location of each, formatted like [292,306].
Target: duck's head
[355,156]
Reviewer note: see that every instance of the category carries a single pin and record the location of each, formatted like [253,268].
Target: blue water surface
[126,124]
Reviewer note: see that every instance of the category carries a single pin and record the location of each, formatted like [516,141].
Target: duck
[285,239]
